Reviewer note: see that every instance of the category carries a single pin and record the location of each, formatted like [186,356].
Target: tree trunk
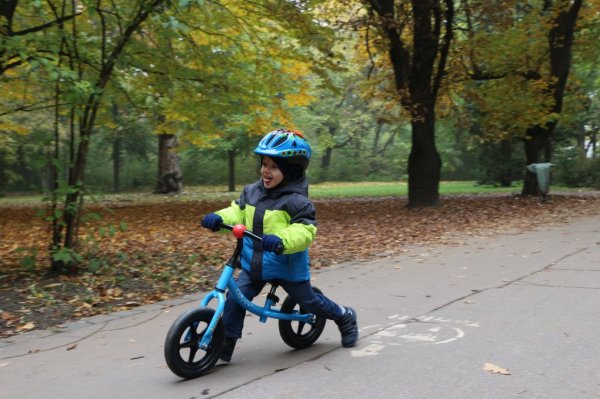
[534,144]
[419,68]
[74,199]
[505,177]
[560,43]
[65,256]
[231,167]
[116,156]
[26,173]
[325,163]
[580,136]
[378,129]
[424,163]
[3,175]
[170,179]
[55,225]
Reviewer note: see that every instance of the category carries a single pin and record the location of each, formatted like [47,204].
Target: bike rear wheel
[182,352]
[296,334]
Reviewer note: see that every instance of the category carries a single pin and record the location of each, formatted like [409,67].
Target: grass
[379,189]
[317,191]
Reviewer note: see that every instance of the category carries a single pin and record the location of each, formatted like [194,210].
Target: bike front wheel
[182,352]
[296,334]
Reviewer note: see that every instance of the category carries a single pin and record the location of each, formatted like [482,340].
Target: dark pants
[302,292]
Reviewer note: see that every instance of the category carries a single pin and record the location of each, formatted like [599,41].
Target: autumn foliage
[164,253]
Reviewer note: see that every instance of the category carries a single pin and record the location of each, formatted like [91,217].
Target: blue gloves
[272,243]
[211,221]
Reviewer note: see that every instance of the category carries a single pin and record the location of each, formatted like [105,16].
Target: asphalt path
[498,316]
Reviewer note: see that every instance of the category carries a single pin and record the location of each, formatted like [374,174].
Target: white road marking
[423,330]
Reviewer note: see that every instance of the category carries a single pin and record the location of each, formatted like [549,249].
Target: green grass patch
[380,189]
[317,191]
[364,189]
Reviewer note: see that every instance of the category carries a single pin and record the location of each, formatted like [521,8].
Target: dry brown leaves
[164,253]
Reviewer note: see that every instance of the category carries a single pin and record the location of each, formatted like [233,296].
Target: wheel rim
[300,326]
[190,343]
[183,354]
[299,334]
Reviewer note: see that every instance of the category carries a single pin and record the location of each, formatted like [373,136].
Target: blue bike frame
[226,281]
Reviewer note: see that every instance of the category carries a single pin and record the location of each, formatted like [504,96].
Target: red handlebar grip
[238,230]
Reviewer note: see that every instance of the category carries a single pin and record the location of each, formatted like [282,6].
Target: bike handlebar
[239,231]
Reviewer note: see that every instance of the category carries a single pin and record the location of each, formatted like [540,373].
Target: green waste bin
[542,173]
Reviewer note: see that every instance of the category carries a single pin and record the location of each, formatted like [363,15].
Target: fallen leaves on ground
[492,368]
[164,253]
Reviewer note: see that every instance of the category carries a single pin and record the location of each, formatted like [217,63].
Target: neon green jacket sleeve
[297,237]
[233,214]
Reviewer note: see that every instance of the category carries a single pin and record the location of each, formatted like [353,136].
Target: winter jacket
[284,211]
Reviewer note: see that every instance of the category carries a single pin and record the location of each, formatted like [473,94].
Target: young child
[277,208]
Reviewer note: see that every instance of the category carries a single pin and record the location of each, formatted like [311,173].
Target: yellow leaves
[296,69]
[26,327]
[201,140]
[510,105]
[281,117]
[187,117]
[492,368]
[299,72]
[260,123]
[201,38]
[166,128]
[12,320]
[11,126]
[588,13]
[221,39]
[112,293]
[301,99]
[268,118]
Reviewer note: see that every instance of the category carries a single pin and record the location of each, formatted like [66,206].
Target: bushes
[574,171]
[499,164]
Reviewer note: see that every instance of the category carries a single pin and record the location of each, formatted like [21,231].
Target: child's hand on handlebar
[272,243]
[212,221]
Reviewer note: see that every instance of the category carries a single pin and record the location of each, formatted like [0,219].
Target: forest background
[171,96]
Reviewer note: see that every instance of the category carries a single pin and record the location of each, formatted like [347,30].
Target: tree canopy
[391,90]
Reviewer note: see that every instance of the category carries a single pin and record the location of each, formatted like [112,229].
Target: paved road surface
[431,320]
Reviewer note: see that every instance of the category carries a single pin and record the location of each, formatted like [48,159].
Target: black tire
[299,335]
[182,354]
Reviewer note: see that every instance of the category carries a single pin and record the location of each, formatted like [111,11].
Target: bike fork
[219,294]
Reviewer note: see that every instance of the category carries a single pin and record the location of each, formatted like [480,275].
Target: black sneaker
[228,348]
[348,328]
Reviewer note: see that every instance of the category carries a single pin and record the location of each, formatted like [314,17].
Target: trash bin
[542,173]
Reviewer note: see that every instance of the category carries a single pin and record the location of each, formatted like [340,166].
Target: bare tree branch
[45,26]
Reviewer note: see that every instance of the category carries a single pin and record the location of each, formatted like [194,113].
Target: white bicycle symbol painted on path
[422,329]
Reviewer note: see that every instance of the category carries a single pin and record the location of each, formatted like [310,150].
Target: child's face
[270,173]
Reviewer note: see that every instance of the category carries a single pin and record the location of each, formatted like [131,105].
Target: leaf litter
[164,253]
[494,369]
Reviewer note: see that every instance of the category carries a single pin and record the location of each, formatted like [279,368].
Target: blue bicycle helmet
[286,144]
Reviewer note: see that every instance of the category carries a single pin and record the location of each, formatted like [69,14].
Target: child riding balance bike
[275,223]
